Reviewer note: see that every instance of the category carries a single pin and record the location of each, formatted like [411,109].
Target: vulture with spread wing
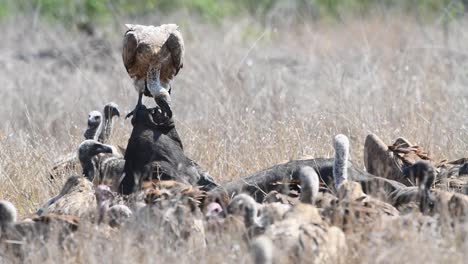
[153,56]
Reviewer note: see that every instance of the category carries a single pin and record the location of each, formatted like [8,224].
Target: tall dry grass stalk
[249,96]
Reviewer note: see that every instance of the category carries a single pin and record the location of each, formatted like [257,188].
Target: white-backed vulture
[173,207]
[80,186]
[98,128]
[67,163]
[390,161]
[353,206]
[153,56]
[428,200]
[80,198]
[17,236]
[75,198]
[302,235]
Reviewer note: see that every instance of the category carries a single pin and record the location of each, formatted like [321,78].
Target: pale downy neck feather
[309,184]
[340,164]
[110,110]
[156,88]
[262,250]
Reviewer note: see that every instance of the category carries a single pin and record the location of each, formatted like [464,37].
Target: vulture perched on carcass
[153,56]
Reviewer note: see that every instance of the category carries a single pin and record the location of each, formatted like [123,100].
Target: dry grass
[249,96]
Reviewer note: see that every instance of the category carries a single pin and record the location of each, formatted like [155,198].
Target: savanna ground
[251,94]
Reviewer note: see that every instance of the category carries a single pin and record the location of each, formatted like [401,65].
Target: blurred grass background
[79,12]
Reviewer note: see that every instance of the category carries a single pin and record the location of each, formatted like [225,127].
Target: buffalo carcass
[154,152]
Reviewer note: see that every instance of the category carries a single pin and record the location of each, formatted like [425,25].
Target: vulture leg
[138,105]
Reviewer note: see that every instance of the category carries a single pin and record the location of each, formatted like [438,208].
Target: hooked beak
[105,149]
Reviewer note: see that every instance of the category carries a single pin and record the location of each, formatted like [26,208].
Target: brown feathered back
[77,198]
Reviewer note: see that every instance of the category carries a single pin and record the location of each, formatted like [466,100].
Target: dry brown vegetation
[249,96]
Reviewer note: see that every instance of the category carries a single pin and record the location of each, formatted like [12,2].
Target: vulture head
[90,148]
[423,174]
[215,203]
[7,214]
[86,151]
[213,209]
[110,110]
[351,191]
[244,205]
[94,125]
[94,119]
[463,169]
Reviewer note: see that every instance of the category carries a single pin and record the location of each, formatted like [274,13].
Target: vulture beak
[116,112]
[102,148]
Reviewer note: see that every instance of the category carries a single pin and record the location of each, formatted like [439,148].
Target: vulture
[174,208]
[353,204]
[428,200]
[79,198]
[302,235]
[390,161]
[81,186]
[98,128]
[75,198]
[115,215]
[453,176]
[17,237]
[255,216]
[153,56]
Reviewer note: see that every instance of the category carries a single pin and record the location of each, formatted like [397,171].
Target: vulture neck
[250,217]
[89,168]
[98,131]
[106,129]
[309,185]
[424,191]
[340,165]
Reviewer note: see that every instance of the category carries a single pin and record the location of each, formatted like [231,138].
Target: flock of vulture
[301,210]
